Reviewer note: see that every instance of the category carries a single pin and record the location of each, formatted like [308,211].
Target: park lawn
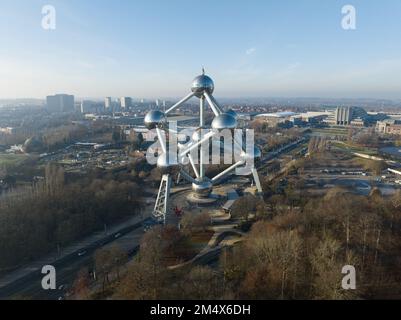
[12,160]
[330,131]
[350,148]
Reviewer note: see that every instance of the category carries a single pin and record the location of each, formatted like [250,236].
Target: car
[117,235]
[81,253]
[150,223]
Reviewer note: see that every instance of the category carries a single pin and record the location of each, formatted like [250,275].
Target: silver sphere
[196,136]
[202,84]
[154,119]
[165,164]
[202,188]
[231,112]
[224,121]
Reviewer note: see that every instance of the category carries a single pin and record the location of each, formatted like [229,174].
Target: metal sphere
[224,121]
[154,119]
[196,136]
[202,188]
[231,112]
[202,84]
[165,164]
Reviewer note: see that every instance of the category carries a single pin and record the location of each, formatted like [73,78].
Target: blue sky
[286,48]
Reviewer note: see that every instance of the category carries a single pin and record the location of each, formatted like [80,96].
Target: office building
[108,104]
[88,106]
[346,116]
[60,103]
[126,103]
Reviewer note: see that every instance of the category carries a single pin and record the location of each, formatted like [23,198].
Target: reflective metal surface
[202,188]
[154,118]
[231,112]
[224,121]
[165,164]
[196,136]
[257,154]
[201,84]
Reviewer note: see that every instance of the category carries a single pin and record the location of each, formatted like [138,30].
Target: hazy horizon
[153,49]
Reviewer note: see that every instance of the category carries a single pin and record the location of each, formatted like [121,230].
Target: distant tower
[126,103]
[107,103]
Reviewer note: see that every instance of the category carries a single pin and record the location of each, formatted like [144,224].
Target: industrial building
[277,119]
[288,119]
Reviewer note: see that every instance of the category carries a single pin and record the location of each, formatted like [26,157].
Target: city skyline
[137,49]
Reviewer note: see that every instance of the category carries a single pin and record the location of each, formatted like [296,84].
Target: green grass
[12,160]
[330,131]
[349,148]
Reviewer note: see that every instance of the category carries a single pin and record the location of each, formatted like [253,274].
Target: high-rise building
[60,103]
[88,106]
[107,104]
[345,116]
[126,103]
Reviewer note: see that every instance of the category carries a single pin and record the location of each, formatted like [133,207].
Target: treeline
[53,213]
[290,253]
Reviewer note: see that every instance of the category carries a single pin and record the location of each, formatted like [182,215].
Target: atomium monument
[202,88]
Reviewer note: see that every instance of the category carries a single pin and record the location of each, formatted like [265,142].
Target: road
[29,287]
[29,284]
[67,267]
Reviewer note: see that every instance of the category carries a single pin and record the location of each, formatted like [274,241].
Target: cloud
[250,51]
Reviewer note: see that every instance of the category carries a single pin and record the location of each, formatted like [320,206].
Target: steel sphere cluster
[202,187]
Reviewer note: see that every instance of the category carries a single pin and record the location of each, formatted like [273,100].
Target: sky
[154,48]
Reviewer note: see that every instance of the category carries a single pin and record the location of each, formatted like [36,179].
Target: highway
[29,287]
[67,267]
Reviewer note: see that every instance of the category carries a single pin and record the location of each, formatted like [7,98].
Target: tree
[195,222]
[244,206]
[104,262]
[274,263]
[81,284]
[326,271]
[201,283]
